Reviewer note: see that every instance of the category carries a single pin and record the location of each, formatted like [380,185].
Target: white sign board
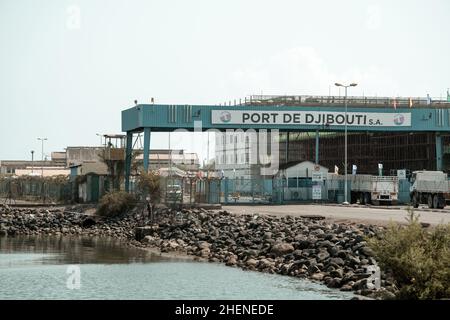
[401,174]
[317,192]
[312,118]
[316,176]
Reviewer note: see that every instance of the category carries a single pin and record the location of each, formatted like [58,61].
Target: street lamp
[345,161]
[42,152]
[98,134]
[32,161]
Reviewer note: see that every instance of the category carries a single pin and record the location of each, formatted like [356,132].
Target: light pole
[32,161]
[98,134]
[345,161]
[42,152]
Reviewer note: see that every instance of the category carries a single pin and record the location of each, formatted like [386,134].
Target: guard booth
[296,182]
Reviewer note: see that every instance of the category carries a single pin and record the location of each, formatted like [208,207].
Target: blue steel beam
[129,149]
[146,147]
[170,117]
[439,153]
[317,146]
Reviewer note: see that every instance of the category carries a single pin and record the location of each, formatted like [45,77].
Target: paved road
[379,216]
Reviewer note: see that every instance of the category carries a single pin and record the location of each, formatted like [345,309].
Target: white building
[239,156]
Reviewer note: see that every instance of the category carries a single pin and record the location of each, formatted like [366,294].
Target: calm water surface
[35,268]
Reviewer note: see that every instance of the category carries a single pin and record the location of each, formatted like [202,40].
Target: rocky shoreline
[335,254]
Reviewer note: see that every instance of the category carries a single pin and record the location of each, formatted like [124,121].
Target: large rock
[148,240]
[337,273]
[337,261]
[368,252]
[265,263]
[204,253]
[282,248]
[322,255]
[141,232]
[203,245]
[318,276]
[251,262]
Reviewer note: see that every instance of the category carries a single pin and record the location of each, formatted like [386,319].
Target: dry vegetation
[418,259]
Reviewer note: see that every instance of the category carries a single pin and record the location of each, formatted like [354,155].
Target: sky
[68,68]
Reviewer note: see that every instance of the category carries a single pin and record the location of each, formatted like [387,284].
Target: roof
[291,164]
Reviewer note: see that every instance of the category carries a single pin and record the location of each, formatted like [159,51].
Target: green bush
[115,203]
[418,259]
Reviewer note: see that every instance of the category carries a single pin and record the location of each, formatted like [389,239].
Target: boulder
[318,276]
[337,261]
[148,239]
[203,245]
[251,262]
[337,273]
[368,252]
[282,248]
[265,263]
[323,255]
[141,232]
[204,253]
[231,261]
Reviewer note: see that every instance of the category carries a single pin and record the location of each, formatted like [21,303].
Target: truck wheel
[361,199]
[430,201]
[441,202]
[415,201]
[367,198]
[436,201]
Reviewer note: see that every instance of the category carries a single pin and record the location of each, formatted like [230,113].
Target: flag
[395,104]
[336,169]
[410,102]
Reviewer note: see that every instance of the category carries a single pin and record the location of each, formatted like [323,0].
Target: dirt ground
[340,213]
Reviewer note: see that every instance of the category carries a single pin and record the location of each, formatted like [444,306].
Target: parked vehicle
[429,187]
[174,193]
[374,189]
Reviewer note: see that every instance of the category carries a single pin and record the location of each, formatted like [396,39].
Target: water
[35,268]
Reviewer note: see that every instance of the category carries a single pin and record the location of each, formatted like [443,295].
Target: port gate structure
[290,114]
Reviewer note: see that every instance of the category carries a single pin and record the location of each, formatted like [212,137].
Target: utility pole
[345,161]
[32,161]
[98,134]
[42,153]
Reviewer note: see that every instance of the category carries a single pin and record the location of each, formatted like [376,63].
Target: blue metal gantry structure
[417,117]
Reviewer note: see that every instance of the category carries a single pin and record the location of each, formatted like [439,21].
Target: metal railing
[352,101]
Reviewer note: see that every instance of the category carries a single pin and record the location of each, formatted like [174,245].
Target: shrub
[418,259]
[115,203]
[149,184]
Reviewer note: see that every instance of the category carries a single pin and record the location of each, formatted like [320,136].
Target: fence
[281,190]
[55,189]
[193,190]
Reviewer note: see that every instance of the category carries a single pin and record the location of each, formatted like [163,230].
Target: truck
[369,189]
[428,187]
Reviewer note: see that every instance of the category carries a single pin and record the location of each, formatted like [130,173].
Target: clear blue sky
[67,76]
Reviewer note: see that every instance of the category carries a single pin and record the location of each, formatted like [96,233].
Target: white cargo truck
[428,187]
[374,189]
